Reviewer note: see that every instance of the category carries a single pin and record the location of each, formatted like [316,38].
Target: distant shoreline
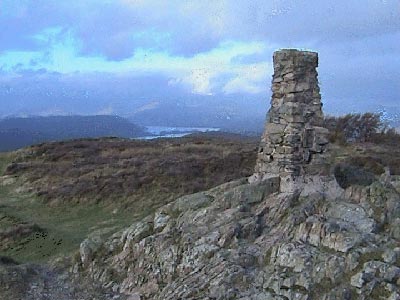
[173,132]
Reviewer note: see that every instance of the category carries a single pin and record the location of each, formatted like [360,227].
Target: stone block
[291,108]
[308,140]
[285,150]
[293,118]
[275,139]
[292,139]
[273,128]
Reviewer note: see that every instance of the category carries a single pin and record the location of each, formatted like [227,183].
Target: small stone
[357,280]
[391,255]
[272,128]
[160,221]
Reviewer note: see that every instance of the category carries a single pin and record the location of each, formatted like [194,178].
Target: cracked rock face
[218,245]
[294,143]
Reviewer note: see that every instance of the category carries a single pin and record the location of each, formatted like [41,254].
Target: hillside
[241,241]
[234,115]
[108,170]
[313,221]
[20,132]
[106,182]
[192,218]
[49,203]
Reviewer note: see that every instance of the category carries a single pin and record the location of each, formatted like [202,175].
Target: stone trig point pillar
[294,143]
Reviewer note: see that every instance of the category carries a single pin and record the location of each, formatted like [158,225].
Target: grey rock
[293,143]
[288,232]
[161,220]
[391,255]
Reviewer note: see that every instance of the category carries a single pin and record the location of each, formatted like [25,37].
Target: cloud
[116,28]
[196,25]
[208,47]
[203,73]
[250,79]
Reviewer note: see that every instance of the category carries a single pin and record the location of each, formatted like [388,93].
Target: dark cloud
[358,42]
[108,28]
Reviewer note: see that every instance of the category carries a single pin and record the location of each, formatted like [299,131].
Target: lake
[173,132]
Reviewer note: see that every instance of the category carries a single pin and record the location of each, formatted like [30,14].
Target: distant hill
[19,132]
[233,116]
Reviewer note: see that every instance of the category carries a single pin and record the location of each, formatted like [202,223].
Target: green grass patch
[77,185]
[63,227]
[5,159]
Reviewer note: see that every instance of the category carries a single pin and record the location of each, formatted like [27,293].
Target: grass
[116,171]
[64,226]
[5,158]
[368,156]
[79,187]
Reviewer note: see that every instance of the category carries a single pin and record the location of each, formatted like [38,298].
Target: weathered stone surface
[247,241]
[7,180]
[160,220]
[289,234]
[293,143]
[40,282]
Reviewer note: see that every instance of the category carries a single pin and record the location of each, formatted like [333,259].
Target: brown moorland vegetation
[59,193]
[120,171]
[53,195]
[366,145]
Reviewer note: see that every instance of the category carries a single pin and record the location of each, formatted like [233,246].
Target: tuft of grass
[5,158]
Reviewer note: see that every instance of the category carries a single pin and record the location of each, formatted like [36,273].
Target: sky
[124,56]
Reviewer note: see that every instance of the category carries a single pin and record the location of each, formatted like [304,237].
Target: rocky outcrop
[218,245]
[268,239]
[34,282]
